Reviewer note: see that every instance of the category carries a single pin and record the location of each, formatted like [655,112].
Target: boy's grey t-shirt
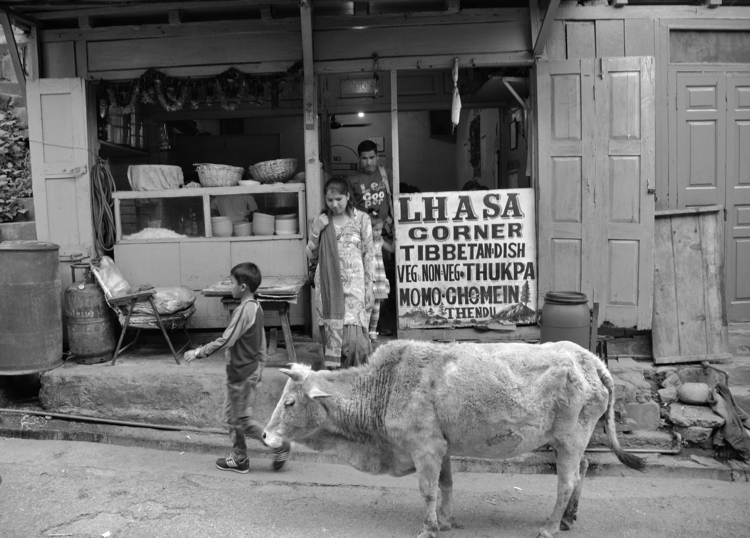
[244,341]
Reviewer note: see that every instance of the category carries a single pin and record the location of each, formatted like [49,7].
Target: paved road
[58,488]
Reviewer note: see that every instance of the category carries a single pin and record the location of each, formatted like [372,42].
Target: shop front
[565,147]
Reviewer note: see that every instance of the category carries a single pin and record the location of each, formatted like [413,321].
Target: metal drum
[566,316]
[91,334]
[30,310]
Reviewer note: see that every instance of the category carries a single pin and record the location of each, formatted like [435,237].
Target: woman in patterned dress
[341,240]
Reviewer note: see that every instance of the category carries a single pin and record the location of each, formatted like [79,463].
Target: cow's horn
[315,393]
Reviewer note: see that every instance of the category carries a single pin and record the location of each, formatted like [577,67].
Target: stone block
[646,415]
[668,395]
[631,387]
[672,380]
[696,435]
[697,374]
[693,415]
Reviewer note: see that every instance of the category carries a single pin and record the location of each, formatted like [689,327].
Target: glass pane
[698,46]
[162,218]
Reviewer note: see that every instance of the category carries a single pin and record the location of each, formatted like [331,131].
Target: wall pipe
[83,418]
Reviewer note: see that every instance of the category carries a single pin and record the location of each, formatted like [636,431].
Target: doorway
[709,157]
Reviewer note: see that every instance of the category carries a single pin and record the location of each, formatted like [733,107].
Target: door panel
[701,132]
[596,166]
[737,227]
[62,155]
[625,170]
[566,170]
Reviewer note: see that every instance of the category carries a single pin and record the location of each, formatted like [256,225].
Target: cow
[418,403]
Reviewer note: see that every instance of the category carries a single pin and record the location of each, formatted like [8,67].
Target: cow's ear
[316,393]
[295,375]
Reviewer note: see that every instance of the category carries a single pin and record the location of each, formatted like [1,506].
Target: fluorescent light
[361,114]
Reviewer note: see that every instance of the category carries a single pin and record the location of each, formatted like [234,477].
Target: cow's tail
[634,462]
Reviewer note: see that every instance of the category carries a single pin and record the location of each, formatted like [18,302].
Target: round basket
[277,171]
[219,175]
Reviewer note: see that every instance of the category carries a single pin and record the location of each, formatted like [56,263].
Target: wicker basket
[219,175]
[277,171]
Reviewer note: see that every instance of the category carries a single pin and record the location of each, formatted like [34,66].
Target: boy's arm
[236,328]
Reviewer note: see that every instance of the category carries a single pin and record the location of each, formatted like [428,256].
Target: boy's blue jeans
[237,413]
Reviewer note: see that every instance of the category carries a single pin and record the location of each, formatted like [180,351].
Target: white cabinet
[195,258]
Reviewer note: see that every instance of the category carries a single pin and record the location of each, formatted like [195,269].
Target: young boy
[244,344]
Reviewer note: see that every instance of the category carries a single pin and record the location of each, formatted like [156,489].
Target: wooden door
[565,215]
[60,112]
[624,187]
[737,226]
[596,174]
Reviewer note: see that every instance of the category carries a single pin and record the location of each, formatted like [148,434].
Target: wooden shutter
[625,182]
[596,175]
[60,113]
[738,197]
[565,108]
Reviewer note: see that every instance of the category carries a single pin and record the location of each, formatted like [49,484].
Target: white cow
[418,403]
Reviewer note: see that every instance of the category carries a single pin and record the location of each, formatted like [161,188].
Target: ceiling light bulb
[361,114]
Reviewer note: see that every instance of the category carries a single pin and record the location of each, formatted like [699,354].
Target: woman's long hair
[339,186]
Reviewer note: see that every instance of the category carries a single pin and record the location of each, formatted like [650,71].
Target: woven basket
[219,175]
[277,171]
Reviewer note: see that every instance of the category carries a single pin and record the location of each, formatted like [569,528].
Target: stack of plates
[221,227]
[287,224]
[263,224]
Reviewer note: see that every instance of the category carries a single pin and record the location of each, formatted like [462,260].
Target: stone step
[637,439]
[739,340]
[738,370]
[741,395]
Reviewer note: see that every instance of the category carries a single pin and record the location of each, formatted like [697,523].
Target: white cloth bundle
[155,177]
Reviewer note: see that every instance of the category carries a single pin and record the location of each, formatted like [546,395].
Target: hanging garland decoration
[229,89]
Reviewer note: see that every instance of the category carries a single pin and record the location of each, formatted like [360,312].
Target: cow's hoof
[544,534]
[426,533]
[445,525]
[567,523]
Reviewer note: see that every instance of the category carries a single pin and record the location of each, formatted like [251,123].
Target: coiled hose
[103,208]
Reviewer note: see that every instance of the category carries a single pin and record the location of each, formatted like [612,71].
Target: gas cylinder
[91,333]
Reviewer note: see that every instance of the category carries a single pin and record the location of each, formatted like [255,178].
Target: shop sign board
[466,258]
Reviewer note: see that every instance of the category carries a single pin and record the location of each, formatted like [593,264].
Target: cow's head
[298,413]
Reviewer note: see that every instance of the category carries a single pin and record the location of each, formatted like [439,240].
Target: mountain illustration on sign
[516,313]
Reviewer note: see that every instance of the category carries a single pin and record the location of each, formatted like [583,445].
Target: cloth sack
[155,177]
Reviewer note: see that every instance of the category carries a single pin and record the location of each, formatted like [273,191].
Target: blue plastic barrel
[31,335]
[566,316]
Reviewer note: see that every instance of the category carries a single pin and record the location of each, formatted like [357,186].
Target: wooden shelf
[211,191]
[108,149]
[230,239]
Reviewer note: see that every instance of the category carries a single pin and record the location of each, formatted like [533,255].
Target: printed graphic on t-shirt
[372,196]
